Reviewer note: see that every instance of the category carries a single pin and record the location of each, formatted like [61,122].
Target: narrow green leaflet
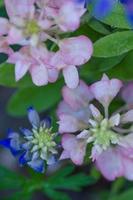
[9,179]
[42,98]
[114,44]
[56,195]
[63,179]
[24,188]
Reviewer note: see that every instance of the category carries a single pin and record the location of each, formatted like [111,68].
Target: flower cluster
[82,123]
[34,22]
[37,147]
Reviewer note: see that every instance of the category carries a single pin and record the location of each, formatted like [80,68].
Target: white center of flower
[32,27]
[103,135]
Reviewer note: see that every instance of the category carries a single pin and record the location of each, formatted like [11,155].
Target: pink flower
[105,90]
[31,23]
[36,61]
[23,26]
[74,149]
[112,146]
[69,56]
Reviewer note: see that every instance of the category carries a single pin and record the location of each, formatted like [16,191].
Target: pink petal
[75,147]
[16,8]
[71,76]
[4,26]
[78,97]
[114,120]
[76,50]
[39,75]
[14,36]
[126,141]
[127,93]
[4,47]
[110,164]
[105,90]
[65,154]
[68,124]
[127,117]
[69,16]
[95,112]
[21,69]
[80,116]
[52,75]
[57,61]
[128,168]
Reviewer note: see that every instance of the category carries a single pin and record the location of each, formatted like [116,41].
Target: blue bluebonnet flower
[128,4]
[101,8]
[36,147]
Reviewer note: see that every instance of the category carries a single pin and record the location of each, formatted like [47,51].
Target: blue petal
[33,117]
[27,145]
[47,122]
[51,160]
[26,132]
[103,8]
[7,144]
[24,158]
[37,165]
[130,18]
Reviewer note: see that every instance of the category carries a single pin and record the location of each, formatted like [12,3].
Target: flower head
[110,138]
[37,147]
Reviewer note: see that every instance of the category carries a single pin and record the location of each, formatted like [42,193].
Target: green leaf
[1,3]
[56,195]
[127,195]
[98,27]
[94,69]
[42,98]
[114,44]
[123,70]
[63,179]
[117,18]
[7,77]
[9,179]
[87,31]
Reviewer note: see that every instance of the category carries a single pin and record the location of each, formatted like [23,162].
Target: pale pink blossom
[72,120]
[36,61]
[73,52]
[74,149]
[105,90]
[112,141]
